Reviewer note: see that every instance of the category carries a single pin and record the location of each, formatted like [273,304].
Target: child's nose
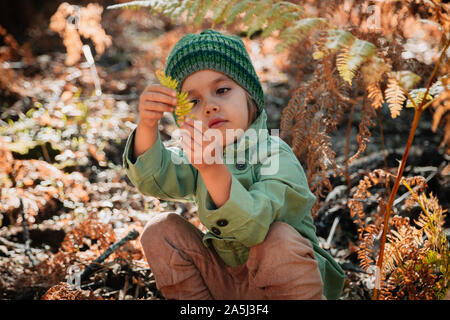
[211,109]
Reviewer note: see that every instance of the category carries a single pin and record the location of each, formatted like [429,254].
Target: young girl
[261,242]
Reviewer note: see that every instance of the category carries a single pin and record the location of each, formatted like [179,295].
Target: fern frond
[183,106]
[166,80]
[351,57]
[417,95]
[394,97]
[239,8]
[300,30]
[375,95]
[337,39]
[277,19]
[200,17]
[438,87]
[256,17]
[192,9]
[342,65]
[222,10]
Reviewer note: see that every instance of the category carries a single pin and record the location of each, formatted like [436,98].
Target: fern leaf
[200,17]
[222,10]
[239,8]
[338,39]
[395,97]
[272,26]
[166,80]
[255,18]
[375,95]
[350,58]
[300,30]
[180,9]
[342,65]
[255,12]
[438,87]
[417,95]
[183,106]
[193,9]
[279,15]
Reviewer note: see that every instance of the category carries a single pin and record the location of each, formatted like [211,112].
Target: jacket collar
[251,137]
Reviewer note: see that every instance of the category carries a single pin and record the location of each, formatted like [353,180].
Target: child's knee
[157,226]
[282,243]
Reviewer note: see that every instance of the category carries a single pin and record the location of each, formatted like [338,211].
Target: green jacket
[257,197]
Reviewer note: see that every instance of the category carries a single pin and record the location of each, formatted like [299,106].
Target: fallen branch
[133,234]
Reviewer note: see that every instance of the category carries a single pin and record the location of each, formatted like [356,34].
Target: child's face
[216,96]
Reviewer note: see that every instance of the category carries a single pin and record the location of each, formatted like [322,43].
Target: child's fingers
[155,106]
[153,96]
[156,87]
[150,114]
[163,89]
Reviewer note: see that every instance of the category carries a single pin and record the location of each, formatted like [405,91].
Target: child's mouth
[217,124]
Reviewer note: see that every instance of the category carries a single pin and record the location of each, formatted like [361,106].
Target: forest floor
[100,206]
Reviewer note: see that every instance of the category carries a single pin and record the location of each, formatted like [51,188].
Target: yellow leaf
[183,106]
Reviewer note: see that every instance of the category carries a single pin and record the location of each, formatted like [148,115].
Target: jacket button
[222,222]
[215,231]
[241,166]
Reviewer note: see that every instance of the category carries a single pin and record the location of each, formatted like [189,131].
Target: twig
[403,196]
[90,60]
[133,234]
[123,292]
[26,235]
[332,230]
[14,245]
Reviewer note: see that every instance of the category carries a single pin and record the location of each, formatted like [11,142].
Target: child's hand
[196,144]
[153,102]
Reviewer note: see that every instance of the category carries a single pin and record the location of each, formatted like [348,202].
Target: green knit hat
[213,50]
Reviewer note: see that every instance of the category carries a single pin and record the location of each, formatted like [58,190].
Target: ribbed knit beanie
[213,50]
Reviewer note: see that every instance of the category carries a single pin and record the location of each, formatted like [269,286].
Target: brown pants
[281,267]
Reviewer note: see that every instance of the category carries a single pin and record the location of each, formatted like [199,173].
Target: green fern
[222,10]
[351,57]
[300,30]
[269,16]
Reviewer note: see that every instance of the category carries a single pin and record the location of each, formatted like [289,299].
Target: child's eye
[194,101]
[222,90]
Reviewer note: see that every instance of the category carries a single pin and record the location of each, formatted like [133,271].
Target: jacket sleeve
[161,172]
[248,213]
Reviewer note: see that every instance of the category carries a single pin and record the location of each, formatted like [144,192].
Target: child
[261,242]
